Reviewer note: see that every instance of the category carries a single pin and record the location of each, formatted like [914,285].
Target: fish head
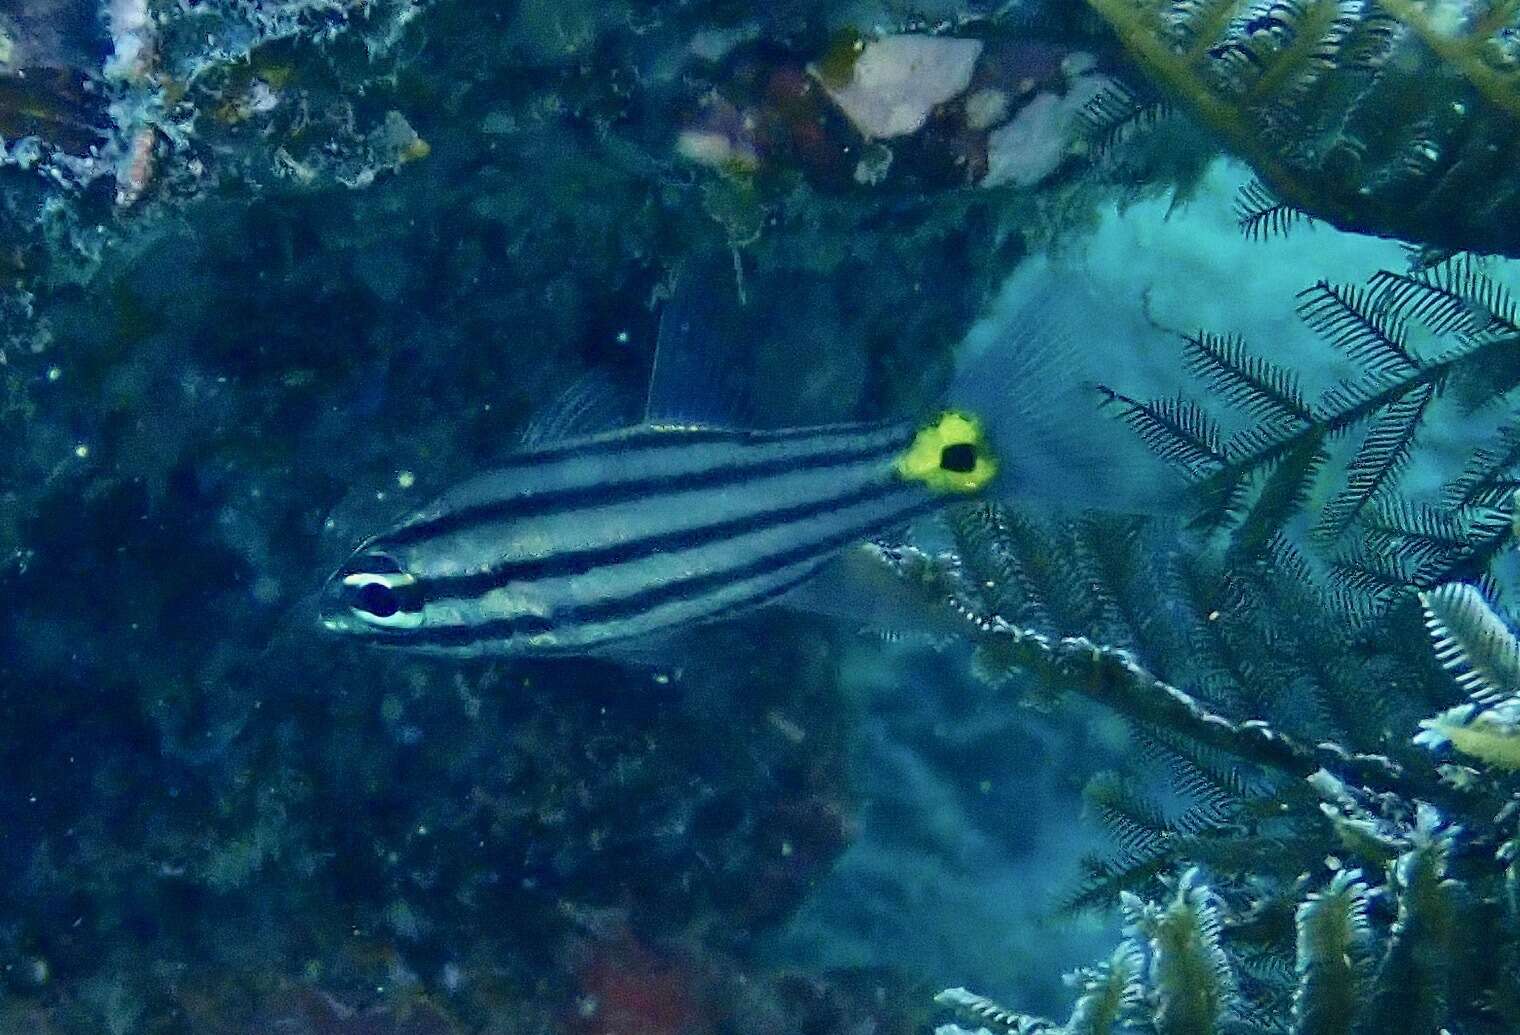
[392,593]
[372,596]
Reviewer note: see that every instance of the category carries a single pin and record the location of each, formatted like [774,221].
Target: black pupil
[960,458]
[377,600]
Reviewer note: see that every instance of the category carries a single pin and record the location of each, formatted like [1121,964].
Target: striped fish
[588,544]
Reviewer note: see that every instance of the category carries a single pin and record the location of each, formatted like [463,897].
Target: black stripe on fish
[673,591]
[554,501]
[664,437]
[532,625]
[580,562]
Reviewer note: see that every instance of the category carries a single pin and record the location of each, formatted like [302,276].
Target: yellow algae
[1495,743]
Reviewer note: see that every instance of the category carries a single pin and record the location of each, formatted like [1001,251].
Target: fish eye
[959,458]
[377,599]
[381,594]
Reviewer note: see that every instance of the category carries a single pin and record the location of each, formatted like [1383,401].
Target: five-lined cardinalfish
[586,544]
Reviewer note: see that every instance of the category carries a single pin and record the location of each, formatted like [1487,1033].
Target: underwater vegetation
[1329,472]
[1390,117]
[1289,856]
[1318,833]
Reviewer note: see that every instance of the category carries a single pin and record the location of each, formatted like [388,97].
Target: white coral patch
[898,80]
[1041,135]
[986,108]
[131,40]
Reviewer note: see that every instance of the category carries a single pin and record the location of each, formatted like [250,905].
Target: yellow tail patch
[950,455]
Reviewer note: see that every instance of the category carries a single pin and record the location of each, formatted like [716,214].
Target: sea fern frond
[1295,44]
[1177,430]
[1115,113]
[1348,318]
[1450,297]
[1234,852]
[1209,601]
[1257,387]
[1211,781]
[1431,545]
[1364,583]
[1134,822]
[1334,946]
[1465,49]
[1195,24]
[1490,472]
[1102,879]
[1424,534]
[1385,118]
[1026,570]
[1382,455]
[1111,992]
[1289,481]
[979,1009]
[1261,214]
[1491,735]
[1189,971]
[1119,581]
[1472,641]
[1262,973]
[1414,975]
[1251,490]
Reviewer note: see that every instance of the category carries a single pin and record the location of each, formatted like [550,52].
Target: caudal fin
[1032,380]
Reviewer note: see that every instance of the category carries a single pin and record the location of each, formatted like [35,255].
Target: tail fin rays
[1034,386]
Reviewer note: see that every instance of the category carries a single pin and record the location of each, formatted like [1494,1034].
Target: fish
[620,536]
[602,540]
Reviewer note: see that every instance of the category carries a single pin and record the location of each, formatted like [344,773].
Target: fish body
[581,546]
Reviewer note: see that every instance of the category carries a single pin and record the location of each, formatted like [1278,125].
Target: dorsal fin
[594,402]
[703,371]
[759,348]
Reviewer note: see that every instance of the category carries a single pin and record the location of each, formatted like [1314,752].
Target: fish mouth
[333,615]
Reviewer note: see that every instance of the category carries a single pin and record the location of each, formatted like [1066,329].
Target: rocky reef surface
[275,272]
